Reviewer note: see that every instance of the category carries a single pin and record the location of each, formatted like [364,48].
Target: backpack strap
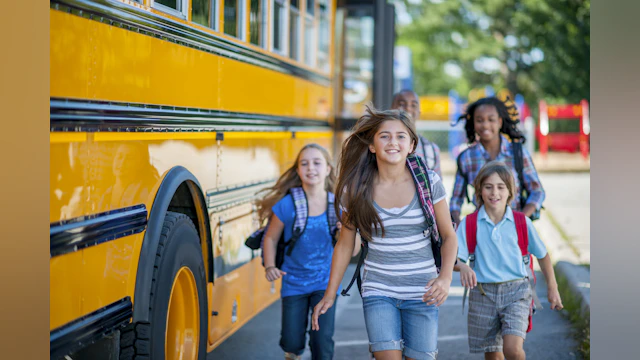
[356,274]
[465,182]
[518,162]
[300,220]
[523,243]
[471,232]
[422,182]
[332,218]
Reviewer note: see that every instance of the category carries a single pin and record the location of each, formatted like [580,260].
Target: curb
[579,279]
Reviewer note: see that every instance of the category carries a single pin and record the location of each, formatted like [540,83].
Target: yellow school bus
[166,118]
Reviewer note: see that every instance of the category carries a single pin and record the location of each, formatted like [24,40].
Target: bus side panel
[96,61]
[65,283]
[68,176]
[87,280]
[123,170]
[240,289]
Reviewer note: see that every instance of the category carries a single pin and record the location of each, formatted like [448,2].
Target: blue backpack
[255,241]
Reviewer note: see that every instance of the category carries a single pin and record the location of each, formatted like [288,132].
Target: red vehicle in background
[564,128]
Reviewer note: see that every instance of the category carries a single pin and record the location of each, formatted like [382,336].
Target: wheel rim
[183,318]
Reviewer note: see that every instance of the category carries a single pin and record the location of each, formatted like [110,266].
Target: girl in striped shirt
[401,287]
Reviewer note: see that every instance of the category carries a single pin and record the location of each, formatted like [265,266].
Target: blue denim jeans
[296,313]
[407,325]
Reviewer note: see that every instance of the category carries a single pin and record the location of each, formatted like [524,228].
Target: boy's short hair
[488,169]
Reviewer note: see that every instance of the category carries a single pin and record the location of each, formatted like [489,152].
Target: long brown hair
[291,179]
[358,169]
[488,169]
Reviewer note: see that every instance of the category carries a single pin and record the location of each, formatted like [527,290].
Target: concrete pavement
[550,338]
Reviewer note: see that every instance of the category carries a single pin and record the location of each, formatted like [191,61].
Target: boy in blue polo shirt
[500,296]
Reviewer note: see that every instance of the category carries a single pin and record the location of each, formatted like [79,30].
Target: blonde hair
[490,168]
[358,168]
[290,179]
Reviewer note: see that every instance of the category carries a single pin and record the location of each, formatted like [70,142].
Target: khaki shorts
[503,309]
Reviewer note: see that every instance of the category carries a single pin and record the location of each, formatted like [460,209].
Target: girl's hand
[554,299]
[325,304]
[438,291]
[272,273]
[339,225]
[468,276]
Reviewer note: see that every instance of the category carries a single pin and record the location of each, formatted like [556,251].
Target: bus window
[204,12]
[309,35]
[257,22]
[294,30]
[358,61]
[278,27]
[323,46]
[234,18]
[174,7]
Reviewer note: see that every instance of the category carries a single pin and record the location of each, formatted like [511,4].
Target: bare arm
[529,209]
[358,242]
[342,254]
[449,238]
[456,217]
[270,245]
[536,193]
[440,286]
[552,285]
[457,197]
[357,245]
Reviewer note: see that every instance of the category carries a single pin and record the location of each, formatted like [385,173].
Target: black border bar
[89,328]
[79,233]
[84,115]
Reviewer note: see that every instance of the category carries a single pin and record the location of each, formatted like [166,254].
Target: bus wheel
[178,305]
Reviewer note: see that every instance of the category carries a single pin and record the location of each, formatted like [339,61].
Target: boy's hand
[272,273]
[554,299]
[468,276]
[438,291]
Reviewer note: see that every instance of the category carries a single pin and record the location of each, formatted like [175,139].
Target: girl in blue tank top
[304,273]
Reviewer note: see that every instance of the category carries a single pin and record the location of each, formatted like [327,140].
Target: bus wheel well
[188,200]
[182,202]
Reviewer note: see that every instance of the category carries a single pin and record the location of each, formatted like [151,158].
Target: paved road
[569,202]
[258,339]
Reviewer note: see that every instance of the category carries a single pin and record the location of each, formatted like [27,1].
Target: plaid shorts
[503,309]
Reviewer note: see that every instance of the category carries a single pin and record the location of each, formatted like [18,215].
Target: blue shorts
[410,326]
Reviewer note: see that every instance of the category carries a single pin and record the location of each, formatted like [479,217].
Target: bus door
[365,39]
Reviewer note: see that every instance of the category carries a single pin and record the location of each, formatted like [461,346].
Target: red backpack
[523,242]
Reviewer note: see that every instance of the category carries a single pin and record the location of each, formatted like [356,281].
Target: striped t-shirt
[400,264]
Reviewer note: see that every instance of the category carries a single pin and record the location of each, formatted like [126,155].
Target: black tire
[179,246]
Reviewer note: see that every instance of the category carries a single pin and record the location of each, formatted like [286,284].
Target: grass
[579,320]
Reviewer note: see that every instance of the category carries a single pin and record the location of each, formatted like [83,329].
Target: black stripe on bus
[89,328]
[130,18]
[82,232]
[83,115]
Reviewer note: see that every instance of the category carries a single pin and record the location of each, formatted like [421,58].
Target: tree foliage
[539,48]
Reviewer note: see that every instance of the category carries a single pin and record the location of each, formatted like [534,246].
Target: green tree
[539,48]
